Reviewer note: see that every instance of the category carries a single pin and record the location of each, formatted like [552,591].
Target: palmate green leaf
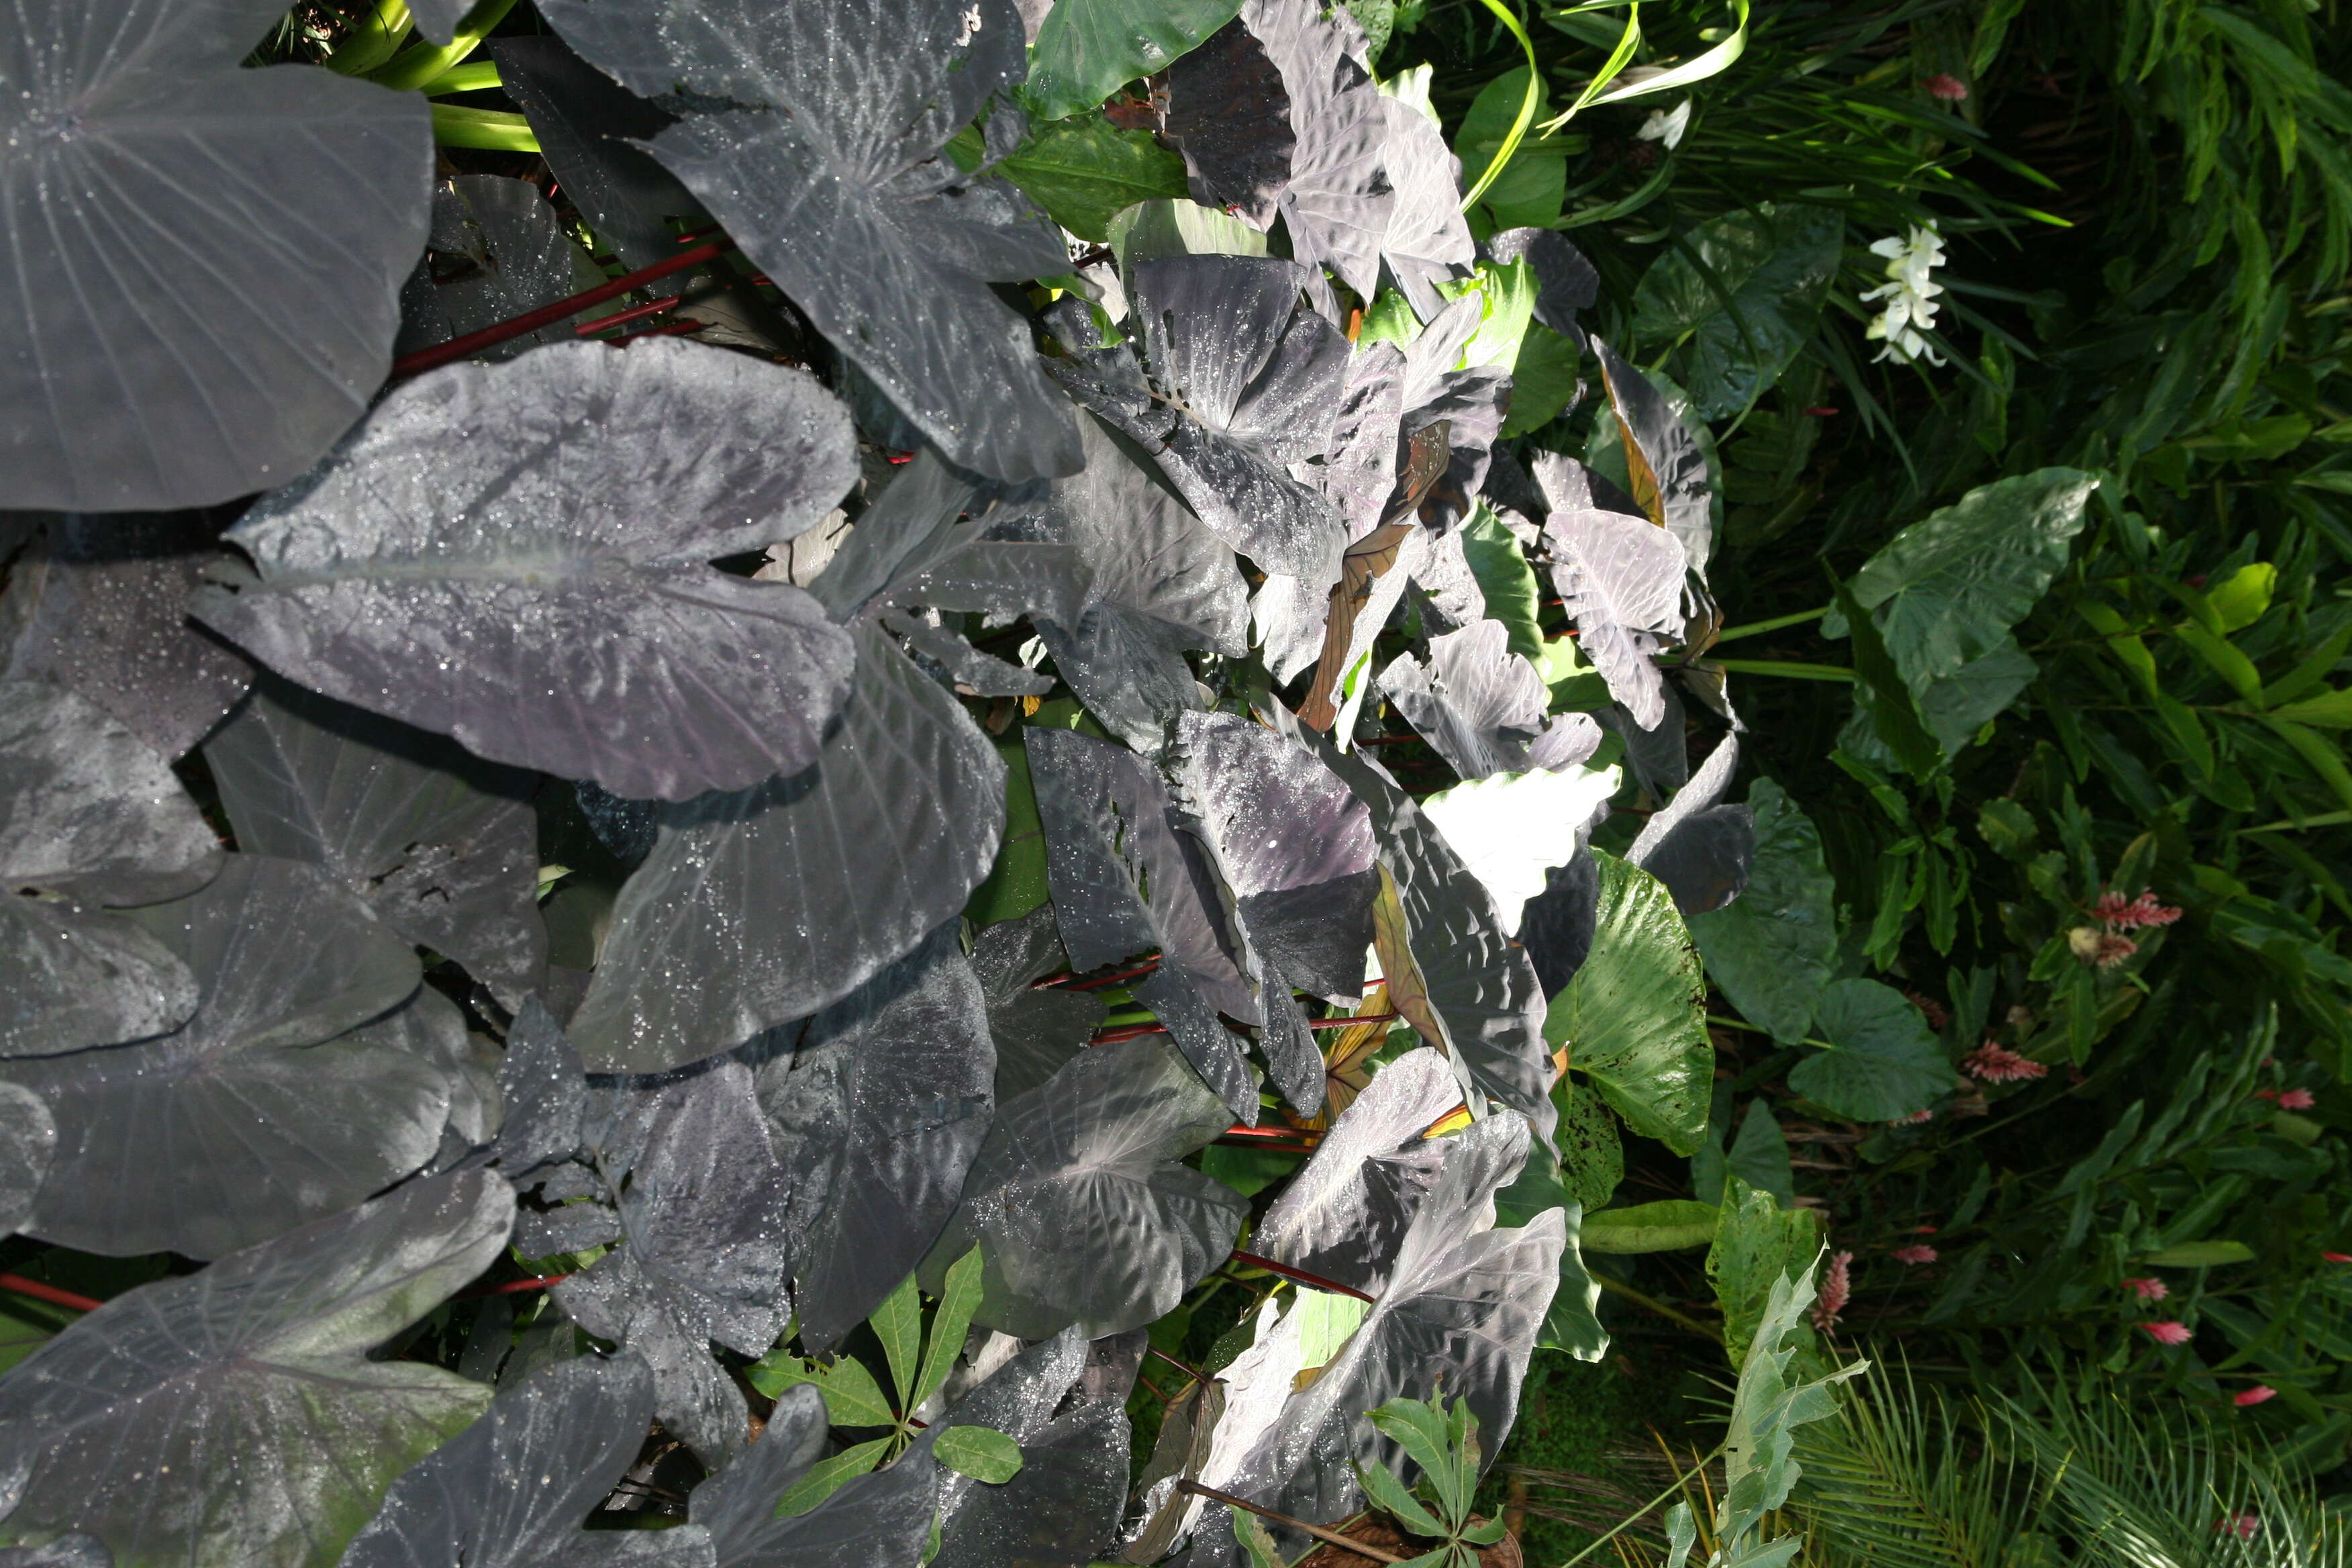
[897,1322]
[1946,590]
[1634,1018]
[1088,49]
[1739,296]
[1391,1495]
[1085,172]
[959,1299]
[1769,949]
[1882,1062]
[980,1452]
[828,1475]
[1756,1242]
[852,1396]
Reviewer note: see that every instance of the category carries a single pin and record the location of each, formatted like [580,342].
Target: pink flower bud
[2296,1099]
[2257,1395]
[2148,1289]
[1947,88]
[1915,1256]
[2167,1333]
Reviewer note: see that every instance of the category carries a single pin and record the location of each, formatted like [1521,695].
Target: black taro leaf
[1292,850]
[1065,1402]
[101,605]
[858,860]
[1482,707]
[1668,470]
[514,556]
[89,809]
[1226,111]
[1345,1214]
[265,1110]
[1620,580]
[1082,1213]
[1338,203]
[70,978]
[27,1141]
[545,1093]
[827,168]
[185,327]
[1467,404]
[878,1106]
[438,19]
[1258,379]
[697,1193]
[513,1489]
[1484,1007]
[1427,240]
[1565,281]
[1461,1312]
[497,250]
[880,1519]
[75,1551]
[1125,882]
[1162,584]
[1556,925]
[898,534]
[234,1416]
[1700,847]
[587,125]
[1036,1028]
[443,846]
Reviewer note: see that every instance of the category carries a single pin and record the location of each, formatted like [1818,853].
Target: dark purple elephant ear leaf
[877,1106]
[1036,1027]
[1565,281]
[100,604]
[1064,1401]
[1427,241]
[90,810]
[1082,1212]
[1482,707]
[132,382]
[1162,584]
[827,167]
[273,1391]
[72,978]
[1227,112]
[1620,580]
[1345,1214]
[1126,883]
[1339,202]
[443,846]
[687,1167]
[513,1489]
[880,1519]
[545,1094]
[586,125]
[515,555]
[1664,459]
[75,1551]
[498,249]
[1698,845]
[862,855]
[1259,378]
[1461,1312]
[279,1100]
[1455,974]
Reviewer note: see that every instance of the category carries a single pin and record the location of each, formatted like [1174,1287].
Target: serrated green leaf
[852,1397]
[980,1452]
[897,1322]
[1250,1531]
[1635,1017]
[958,1298]
[1760,1469]
[828,1475]
[1769,950]
[1392,1497]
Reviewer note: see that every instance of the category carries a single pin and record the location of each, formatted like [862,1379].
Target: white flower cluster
[1910,307]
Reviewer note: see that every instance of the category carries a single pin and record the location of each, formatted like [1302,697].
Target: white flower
[1910,308]
[1667,125]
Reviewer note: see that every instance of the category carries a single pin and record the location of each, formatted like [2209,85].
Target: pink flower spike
[2148,1289]
[1915,1256]
[2116,913]
[2260,1394]
[2296,1099]
[2266,1094]
[1913,1119]
[2243,1525]
[2167,1333]
[1947,88]
[1997,1064]
[2337,1257]
[1837,1288]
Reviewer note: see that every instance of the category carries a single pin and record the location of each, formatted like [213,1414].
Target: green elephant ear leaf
[1740,294]
[1769,949]
[272,1393]
[1881,1063]
[1634,1020]
[1756,1242]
